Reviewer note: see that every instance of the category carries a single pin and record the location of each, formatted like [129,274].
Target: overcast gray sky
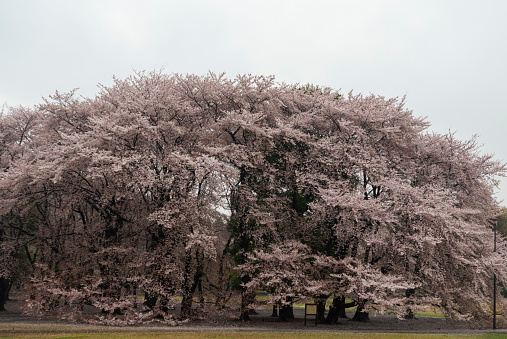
[448,57]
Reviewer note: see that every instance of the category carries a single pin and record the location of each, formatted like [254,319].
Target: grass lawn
[248,335]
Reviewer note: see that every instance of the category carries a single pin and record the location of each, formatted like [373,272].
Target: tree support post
[494,276]
[494,301]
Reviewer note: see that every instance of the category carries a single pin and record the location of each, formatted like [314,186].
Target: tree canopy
[183,187]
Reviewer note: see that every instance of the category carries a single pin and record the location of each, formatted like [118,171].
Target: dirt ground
[262,321]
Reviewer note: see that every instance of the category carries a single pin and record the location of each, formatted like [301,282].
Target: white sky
[448,57]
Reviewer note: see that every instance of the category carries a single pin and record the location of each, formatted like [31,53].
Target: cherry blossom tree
[16,132]
[161,184]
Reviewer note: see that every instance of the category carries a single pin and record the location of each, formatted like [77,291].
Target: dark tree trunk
[4,292]
[287,310]
[150,300]
[337,310]
[360,314]
[201,296]
[117,311]
[247,299]
[333,314]
[409,313]
[321,308]
[186,307]
[221,285]
[190,285]
[188,289]
[164,306]
[8,290]
[275,310]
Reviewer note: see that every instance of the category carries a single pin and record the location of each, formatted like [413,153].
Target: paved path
[13,321]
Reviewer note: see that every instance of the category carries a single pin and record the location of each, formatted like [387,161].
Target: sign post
[311,309]
[494,223]
[494,283]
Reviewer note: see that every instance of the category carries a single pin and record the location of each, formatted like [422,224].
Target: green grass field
[61,331]
[247,335]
